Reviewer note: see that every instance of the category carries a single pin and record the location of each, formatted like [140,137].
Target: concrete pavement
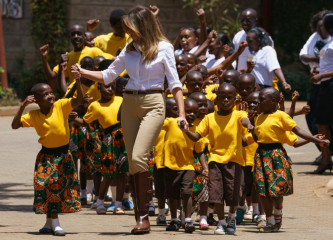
[308,213]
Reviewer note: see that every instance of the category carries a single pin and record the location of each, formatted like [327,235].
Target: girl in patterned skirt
[113,162]
[273,177]
[56,188]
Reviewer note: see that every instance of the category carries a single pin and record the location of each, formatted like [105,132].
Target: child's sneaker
[204,226]
[100,209]
[261,223]
[278,221]
[231,227]
[89,197]
[161,220]
[173,226]
[248,215]
[268,228]
[127,204]
[94,204]
[151,210]
[240,215]
[211,220]
[255,218]
[189,227]
[111,207]
[220,230]
[118,211]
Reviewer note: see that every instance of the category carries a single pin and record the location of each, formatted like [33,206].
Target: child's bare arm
[202,21]
[16,123]
[305,110]
[62,86]
[204,45]
[307,136]
[79,96]
[247,124]
[193,136]
[250,66]
[203,163]
[281,102]
[155,10]
[294,98]
[302,142]
[229,60]
[51,76]
[92,24]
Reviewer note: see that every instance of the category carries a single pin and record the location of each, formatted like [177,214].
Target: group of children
[232,152]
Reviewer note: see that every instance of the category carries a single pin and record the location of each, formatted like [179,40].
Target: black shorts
[178,183]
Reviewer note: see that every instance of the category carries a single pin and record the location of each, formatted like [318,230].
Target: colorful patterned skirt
[113,154]
[56,186]
[273,176]
[151,161]
[94,135]
[200,182]
[77,146]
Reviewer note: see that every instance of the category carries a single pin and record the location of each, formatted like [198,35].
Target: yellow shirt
[106,113]
[52,128]
[275,128]
[110,43]
[225,136]
[92,91]
[159,147]
[209,92]
[75,57]
[178,148]
[203,142]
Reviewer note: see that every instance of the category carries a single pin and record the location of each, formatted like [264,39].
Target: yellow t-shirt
[106,113]
[92,91]
[225,136]
[75,57]
[158,152]
[203,142]
[275,128]
[110,43]
[52,128]
[178,148]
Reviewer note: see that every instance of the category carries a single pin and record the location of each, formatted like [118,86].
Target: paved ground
[308,214]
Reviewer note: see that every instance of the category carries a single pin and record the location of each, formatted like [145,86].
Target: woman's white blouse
[143,75]
[326,59]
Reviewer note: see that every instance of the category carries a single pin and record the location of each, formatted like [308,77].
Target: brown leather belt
[137,92]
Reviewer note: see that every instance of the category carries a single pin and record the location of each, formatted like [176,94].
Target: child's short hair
[272,93]
[38,86]
[248,76]
[225,86]
[104,64]
[192,55]
[87,62]
[192,74]
[116,16]
[190,101]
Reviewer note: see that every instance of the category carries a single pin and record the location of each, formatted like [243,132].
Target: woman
[265,59]
[147,59]
[324,114]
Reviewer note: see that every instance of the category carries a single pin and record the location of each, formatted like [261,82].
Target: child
[97,61]
[224,132]
[182,65]
[56,187]
[179,169]
[114,166]
[192,60]
[272,129]
[194,82]
[171,112]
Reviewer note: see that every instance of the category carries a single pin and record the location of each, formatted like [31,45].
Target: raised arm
[16,123]
[51,76]
[294,98]
[305,135]
[79,96]
[202,21]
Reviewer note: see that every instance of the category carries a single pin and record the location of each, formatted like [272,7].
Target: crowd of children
[232,154]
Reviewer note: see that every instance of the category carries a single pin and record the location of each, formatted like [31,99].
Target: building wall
[18,40]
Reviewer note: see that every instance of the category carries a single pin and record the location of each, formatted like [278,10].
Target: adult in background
[148,59]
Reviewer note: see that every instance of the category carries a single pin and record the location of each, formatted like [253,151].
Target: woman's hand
[75,71]
[286,86]
[182,124]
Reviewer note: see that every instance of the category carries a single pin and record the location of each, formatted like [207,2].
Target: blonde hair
[143,23]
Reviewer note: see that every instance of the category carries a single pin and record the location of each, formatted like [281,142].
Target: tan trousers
[142,118]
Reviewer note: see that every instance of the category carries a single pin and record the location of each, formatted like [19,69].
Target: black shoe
[189,227]
[211,221]
[173,226]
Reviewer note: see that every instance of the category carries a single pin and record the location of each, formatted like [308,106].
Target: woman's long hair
[143,23]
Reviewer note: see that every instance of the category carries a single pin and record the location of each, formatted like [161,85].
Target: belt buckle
[135,92]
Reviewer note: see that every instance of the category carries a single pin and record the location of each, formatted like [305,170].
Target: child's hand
[281,99]
[75,71]
[212,36]
[86,100]
[64,57]
[306,109]
[201,15]
[154,9]
[28,100]
[215,90]
[72,116]
[92,24]
[219,74]
[250,66]
[238,99]
[44,50]
[295,96]
[183,124]
[211,80]
[63,66]
[242,46]
[205,172]
[324,143]
[319,136]
[286,87]
[250,128]
[202,59]
[243,106]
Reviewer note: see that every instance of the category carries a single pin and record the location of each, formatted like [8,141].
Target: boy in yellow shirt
[224,132]
[56,187]
[179,166]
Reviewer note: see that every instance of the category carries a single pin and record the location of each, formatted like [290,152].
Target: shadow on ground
[18,191]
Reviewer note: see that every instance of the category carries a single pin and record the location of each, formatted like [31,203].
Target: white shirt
[242,59]
[309,47]
[265,63]
[326,59]
[213,62]
[181,51]
[143,75]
